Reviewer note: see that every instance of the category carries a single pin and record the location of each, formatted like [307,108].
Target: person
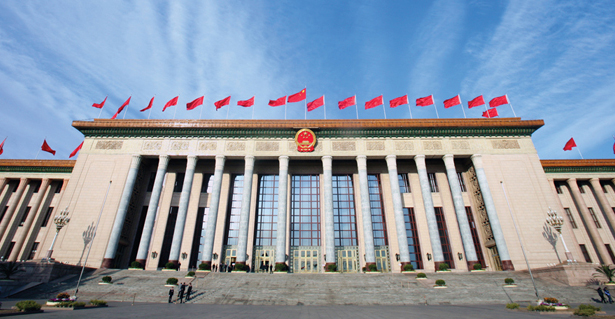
[601,295]
[608,294]
[188,292]
[271,269]
[182,291]
[172,292]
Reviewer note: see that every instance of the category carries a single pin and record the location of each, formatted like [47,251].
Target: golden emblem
[305,140]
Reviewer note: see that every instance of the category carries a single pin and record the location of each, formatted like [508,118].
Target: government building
[309,194]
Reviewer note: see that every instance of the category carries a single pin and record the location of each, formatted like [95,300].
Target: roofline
[579,166]
[37,166]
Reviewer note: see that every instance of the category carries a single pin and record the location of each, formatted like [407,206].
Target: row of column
[391,161]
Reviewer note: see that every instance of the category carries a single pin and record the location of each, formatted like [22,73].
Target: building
[309,193]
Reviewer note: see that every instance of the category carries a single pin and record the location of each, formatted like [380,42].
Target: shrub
[172,281]
[28,305]
[551,300]
[106,279]
[478,266]
[98,303]
[421,275]
[584,312]
[135,264]
[512,305]
[372,267]
[331,267]
[63,295]
[440,282]
[540,308]
[169,265]
[606,271]
[205,266]
[363,269]
[509,281]
[76,304]
[190,274]
[584,307]
[281,267]
[10,268]
[443,267]
[408,267]
[240,267]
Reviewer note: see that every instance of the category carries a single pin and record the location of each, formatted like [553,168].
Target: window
[179,182]
[591,212]
[573,223]
[36,186]
[33,251]
[25,216]
[412,234]
[4,212]
[432,182]
[208,181]
[344,216]
[444,240]
[10,250]
[267,210]
[377,207]
[581,187]
[59,187]
[608,248]
[202,216]
[558,187]
[234,212]
[150,183]
[305,210]
[475,238]
[604,188]
[404,183]
[585,253]
[462,184]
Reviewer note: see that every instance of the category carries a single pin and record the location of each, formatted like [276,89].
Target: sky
[554,59]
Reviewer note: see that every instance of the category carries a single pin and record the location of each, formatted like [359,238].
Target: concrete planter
[280,272]
[408,272]
[135,268]
[482,270]
[105,283]
[373,272]
[170,285]
[610,284]
[510,286]
[561,307]
[239,271]
[439,287]
[188,276]
[164,269]
[203,271]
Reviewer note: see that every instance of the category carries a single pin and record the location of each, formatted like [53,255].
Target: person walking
[601,295]
[608,294]
[271,269]
[172,292]
[188,292]
[180,295]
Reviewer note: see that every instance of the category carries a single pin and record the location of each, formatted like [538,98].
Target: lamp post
[557,222]
[60,221]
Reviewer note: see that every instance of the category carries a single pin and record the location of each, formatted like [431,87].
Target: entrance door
[230,257]
[347,259]
[305,260]
[264,256]
[382,258]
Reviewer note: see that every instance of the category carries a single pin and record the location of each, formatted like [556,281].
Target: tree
[606,271]
[10,268]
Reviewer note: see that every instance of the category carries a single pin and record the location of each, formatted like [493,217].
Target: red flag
[425,101]
[2,146]
[399,101]
[246,103]
[46,148]
[172,102]
[452,102]
[192,105]
[223,102]
[347,102]
[100,106]
[5,139]
[490,113]
[477,101]
[76,150]
[297,97]
[316,103]
[120,109]
[497,101]
[570,144]
[374,102]
[149,106]
[278,102]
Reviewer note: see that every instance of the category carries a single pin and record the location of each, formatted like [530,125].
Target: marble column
[25,231]
[430,213]
[280,248]
[13,202]
[120,216]
[212,215]
[604,203]
[3,182]
[492,213]
[327,172]
[398,211]
[244,214]
[366,212]
[152,209]
[592,230]
[460,211]
[182,210]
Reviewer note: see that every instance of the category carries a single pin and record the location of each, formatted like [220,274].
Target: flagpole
[464,111]
[285,108]
[384,109]
[175,111]
[150,112]
[579,150]
[357,105]
[434,106]
[511,107]
[253,107]
[99,113]
[228,110]
[201,113]
[409,109]
[486,109]
[305,116]
[123,118]
[36,157]
[325,105]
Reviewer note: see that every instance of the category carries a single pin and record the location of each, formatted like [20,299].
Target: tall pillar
[366,212]
[182,211]
[592,231]
[398,211]
[244,215]
[3,182]
[42,191]
[460,211]
[15,198]
[327,172]
[212,215]
[494,221]
[118,224]
[150,217]
[280,249]
[430,213]
[604,203]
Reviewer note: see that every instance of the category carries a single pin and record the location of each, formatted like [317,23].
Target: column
[366,212]
[398,212]
[460,211]
[244,215]
[327,166]
[592,231]
[3,182]
[182,210]
[212,216]
[13,202]
[118,224]
[604,203]
[494,221]
[150,217]
[430,213]
[42,191]
[280,248]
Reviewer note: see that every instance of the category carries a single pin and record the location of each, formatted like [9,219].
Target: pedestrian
[180,294]
[608,294]
[214,267]
[188,292]
[271,269]
[172,292]
[601,295]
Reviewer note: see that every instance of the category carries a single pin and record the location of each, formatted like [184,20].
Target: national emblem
[305,140]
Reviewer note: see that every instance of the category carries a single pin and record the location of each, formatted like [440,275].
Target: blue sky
[554,59]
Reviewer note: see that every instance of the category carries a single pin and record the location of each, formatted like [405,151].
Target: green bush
[63,295]
[281,267]
[240,267]
[509,281]
[540,308]
[440,282]
[584,307]
[205,266]
[172,281]
[372,267]
[478,266]
[76,304]
[408,267]
[70,304]
[98,303]
[421,275]
[169,265]
[512,305]
[584,312]
[190,274]
[331,267]
[135,264]
[28,305]
[443,267]
[106,279]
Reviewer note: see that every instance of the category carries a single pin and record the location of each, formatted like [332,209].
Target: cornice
[579,166]
[37,166]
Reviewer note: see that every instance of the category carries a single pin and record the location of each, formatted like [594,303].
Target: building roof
[579,166]
[36,166]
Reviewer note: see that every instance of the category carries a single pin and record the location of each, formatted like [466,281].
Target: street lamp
[60,221]
[557,222]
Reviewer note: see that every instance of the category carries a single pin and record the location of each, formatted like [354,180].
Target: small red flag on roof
[491,113]
[399,101]
[172,102]
[477,101]
[278,102]
[121,108]
[297,97]
[316,103]
[76,150]
[192,105]
[149,106]
[45,147]
[101,104]
[452,102]
[570,144]
[347,102]
[497,101]
[374,102]
[425,101]
[223,102]
[246,103]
